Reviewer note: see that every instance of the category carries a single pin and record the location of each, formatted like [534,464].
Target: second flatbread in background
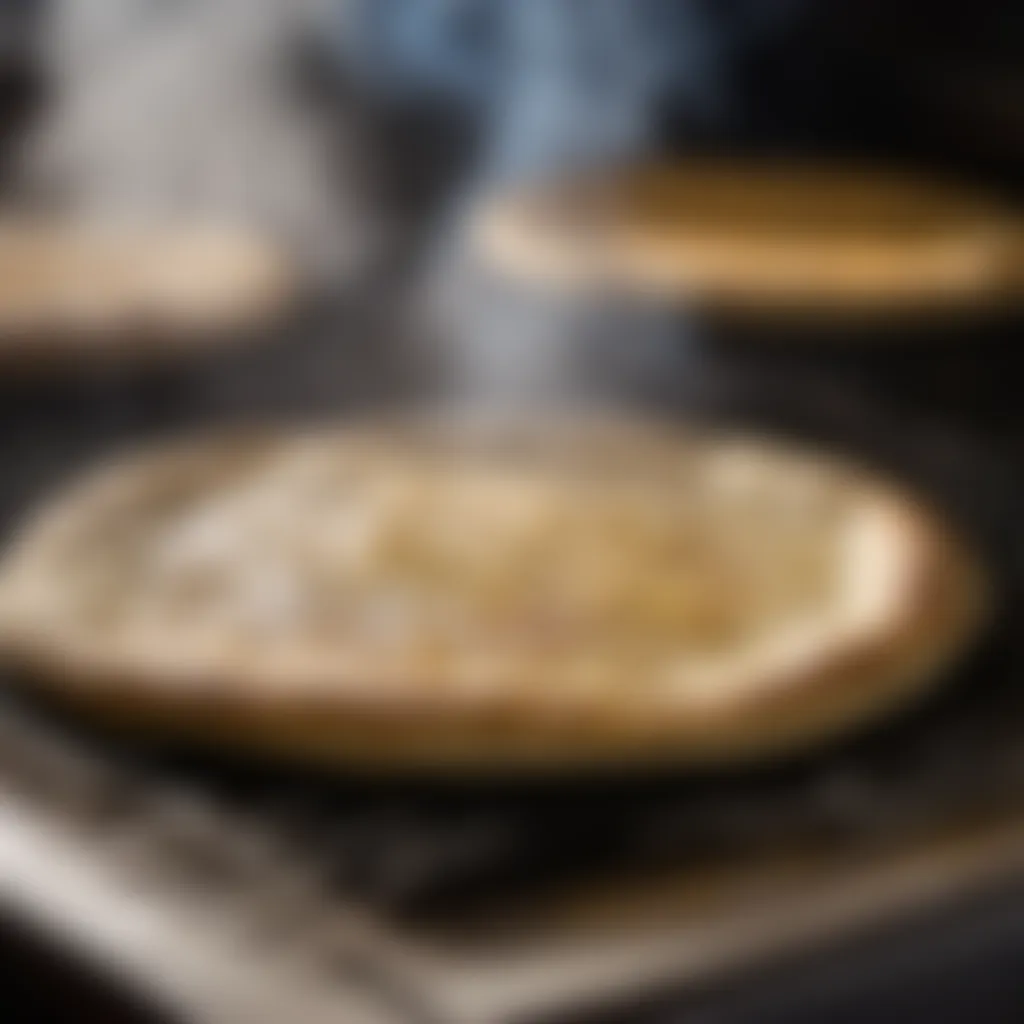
[769,239]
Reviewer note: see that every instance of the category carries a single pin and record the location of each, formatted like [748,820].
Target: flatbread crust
[763,238]
[93,291]
[394,601]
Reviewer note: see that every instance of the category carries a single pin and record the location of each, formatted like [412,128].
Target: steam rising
[521,350]
[562,81]
[577,84]
[192,107]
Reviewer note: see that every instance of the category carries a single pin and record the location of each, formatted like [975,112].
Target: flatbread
[413,599]
[92,291]
[763,238]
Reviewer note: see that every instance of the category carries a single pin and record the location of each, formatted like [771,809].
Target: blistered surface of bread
[383,598]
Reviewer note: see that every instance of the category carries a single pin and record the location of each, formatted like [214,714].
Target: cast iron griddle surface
[446,848]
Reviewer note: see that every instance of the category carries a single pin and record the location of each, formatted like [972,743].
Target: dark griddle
[447,847]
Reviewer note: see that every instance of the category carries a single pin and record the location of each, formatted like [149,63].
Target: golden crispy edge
[945,598]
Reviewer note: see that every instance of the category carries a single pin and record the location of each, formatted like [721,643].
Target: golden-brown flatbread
[764,238]
[401,598]
[73,292]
